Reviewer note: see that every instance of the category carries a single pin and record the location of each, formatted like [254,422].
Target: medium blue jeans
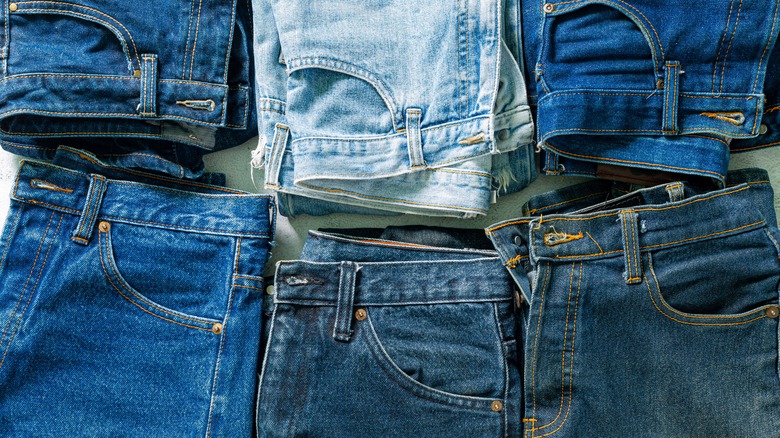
[128,309]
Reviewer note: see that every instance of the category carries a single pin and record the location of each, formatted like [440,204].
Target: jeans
[128,309]
[371,337]
[397,107]
[143,85]
[651,314]
[637,84]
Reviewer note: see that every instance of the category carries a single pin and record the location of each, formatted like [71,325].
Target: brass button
[549,7]
[660,84]
[13,7]
[360,314]
[763,129]
[497,406]
[772,312]
[104,226]
[216,329]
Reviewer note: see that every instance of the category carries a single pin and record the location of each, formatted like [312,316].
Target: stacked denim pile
[641,303]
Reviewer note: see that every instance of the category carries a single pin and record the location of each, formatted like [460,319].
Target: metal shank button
[360,314]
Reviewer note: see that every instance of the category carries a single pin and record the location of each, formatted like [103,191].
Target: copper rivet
[13,7]
[360,314]
[773,312]
[549,7]
[660,84]
[763,129]
[216,329]
[136,73]
[104,226]
[497,406]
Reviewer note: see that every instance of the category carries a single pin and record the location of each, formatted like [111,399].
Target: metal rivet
[503,134]
[136,73]
[660,84]
[270,290]
[518,240]
[104,226]
[763,129]
[216,329]
[773,312]
[13,7]
[549,7]
[497,406]
[360,314]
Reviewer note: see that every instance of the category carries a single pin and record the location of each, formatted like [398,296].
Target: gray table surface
[291,233]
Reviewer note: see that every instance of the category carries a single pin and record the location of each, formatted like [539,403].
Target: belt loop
[414,138]
[148,106]
[89,214]
[632,256]
[342,328]
[671,97]
[274,165]
[676,191]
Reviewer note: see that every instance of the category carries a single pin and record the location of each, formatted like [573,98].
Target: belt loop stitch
[676,192]
[631,254]
[671,97]
[148,106]
[342,328]
[83,232]
[414,138]
[274,165]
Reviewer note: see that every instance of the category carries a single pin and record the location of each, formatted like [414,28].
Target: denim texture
[651,314]
[637,83]
[371,337]
[143,85]
[392,106]
[128,309]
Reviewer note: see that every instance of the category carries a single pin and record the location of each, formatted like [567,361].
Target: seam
[13,224]
[726,55]
[569,201]
[504,365]
[187,43]
[229,46]
[777,246]
[536,337]
[601,251]
[195,42]
[634,162]
[720,45]
[134,115]
[131,220]
[399,201]
[24,289]
[509,224]
[35,286]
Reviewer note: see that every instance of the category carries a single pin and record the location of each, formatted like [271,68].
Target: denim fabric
[371,337]
[651,314]
[392,106]
[769,130]
[128,309]
[637,83]
[147,85]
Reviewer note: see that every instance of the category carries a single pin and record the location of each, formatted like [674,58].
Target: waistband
[389,272]
[393,283]
[190,207]
[599,231]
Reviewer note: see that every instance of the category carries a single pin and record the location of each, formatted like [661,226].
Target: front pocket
[449,353]
[118,283]
[739,297]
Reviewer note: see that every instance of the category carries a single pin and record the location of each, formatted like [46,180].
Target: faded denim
[392,106]
[128,309]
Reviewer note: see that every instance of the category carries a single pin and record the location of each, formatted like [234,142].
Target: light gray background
[291,233]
